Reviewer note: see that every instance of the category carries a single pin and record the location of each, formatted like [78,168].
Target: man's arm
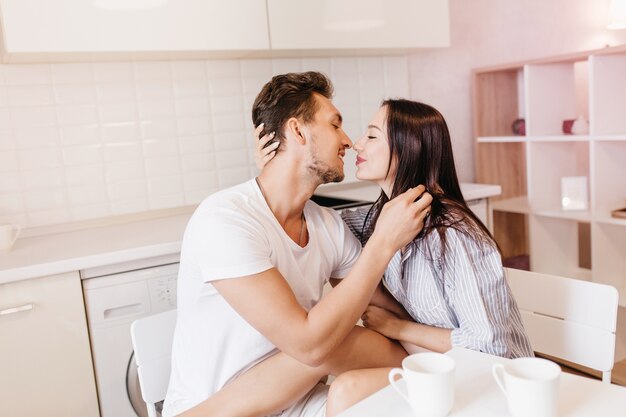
[266,301]
[279,381]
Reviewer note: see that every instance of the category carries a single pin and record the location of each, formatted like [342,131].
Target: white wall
[491,32]
[87,140]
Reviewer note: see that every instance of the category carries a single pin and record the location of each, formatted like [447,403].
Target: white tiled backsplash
[88,140]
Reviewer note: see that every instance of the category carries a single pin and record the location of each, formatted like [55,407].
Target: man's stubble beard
[322,171]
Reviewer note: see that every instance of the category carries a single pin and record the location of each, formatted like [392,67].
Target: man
[256,256]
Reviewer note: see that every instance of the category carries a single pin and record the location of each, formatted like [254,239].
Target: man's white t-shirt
[232,234]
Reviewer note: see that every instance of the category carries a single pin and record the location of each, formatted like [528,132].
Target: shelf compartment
[609,255]
[512,205]
[609,182]
[548,163]
[608,94]
[560,247]
[568,98]
[511,232]
[497,101]
[503,164]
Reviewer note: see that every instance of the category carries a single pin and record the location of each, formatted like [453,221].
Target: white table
[477,395]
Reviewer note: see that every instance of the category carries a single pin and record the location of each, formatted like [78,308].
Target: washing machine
[114,298]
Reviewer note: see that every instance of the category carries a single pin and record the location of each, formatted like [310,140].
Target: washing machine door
[134,389]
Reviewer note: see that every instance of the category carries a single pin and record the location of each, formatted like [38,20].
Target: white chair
[567,318]
[152,341]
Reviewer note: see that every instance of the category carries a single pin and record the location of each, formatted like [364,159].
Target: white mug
[580,126]
[8,235]
[530,386]
[429,380]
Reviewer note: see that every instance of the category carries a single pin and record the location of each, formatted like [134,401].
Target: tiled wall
[88,140]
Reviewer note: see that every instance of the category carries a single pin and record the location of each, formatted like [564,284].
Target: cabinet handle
[131,309]
[17,309]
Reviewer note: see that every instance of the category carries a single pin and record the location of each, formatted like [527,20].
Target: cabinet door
[71,26]
[358,24]
[45,360]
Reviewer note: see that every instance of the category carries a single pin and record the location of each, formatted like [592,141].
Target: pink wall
[489,32]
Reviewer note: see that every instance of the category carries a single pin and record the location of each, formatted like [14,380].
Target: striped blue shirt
[467,293]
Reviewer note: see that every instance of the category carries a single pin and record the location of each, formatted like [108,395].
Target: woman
[449,281]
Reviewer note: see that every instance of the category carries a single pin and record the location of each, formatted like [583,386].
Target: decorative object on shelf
[519,127]
[567,126]
[574,195]
[619,214]
[578,126]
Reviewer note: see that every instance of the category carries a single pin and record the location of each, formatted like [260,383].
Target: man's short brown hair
[286,96]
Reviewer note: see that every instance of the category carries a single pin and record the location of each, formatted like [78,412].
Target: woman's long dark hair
[419,142]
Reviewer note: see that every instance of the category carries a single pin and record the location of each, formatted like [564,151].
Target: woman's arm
[482,302]
[394,327]
[383,299]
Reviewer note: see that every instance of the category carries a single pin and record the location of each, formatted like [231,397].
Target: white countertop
[369,192]
[80,249]
[137,237]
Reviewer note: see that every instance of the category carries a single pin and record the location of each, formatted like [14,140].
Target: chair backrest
[568,318]
[152,341]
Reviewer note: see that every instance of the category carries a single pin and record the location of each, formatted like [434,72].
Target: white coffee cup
[429,380]
[8,236]
[530,386]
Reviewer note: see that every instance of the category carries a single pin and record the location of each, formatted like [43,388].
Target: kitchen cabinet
[71,30]
[358,24]
[529,220]
[35,28]
[45,360]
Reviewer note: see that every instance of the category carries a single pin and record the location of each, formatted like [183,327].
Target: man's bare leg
[279,381]
[352,386]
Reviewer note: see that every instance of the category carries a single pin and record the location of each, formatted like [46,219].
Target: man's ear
[294,128]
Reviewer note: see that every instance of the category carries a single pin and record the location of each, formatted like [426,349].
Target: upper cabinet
[358,24]
[44,30]
[40,27]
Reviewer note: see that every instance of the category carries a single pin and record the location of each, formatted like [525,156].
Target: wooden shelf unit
[528,218]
